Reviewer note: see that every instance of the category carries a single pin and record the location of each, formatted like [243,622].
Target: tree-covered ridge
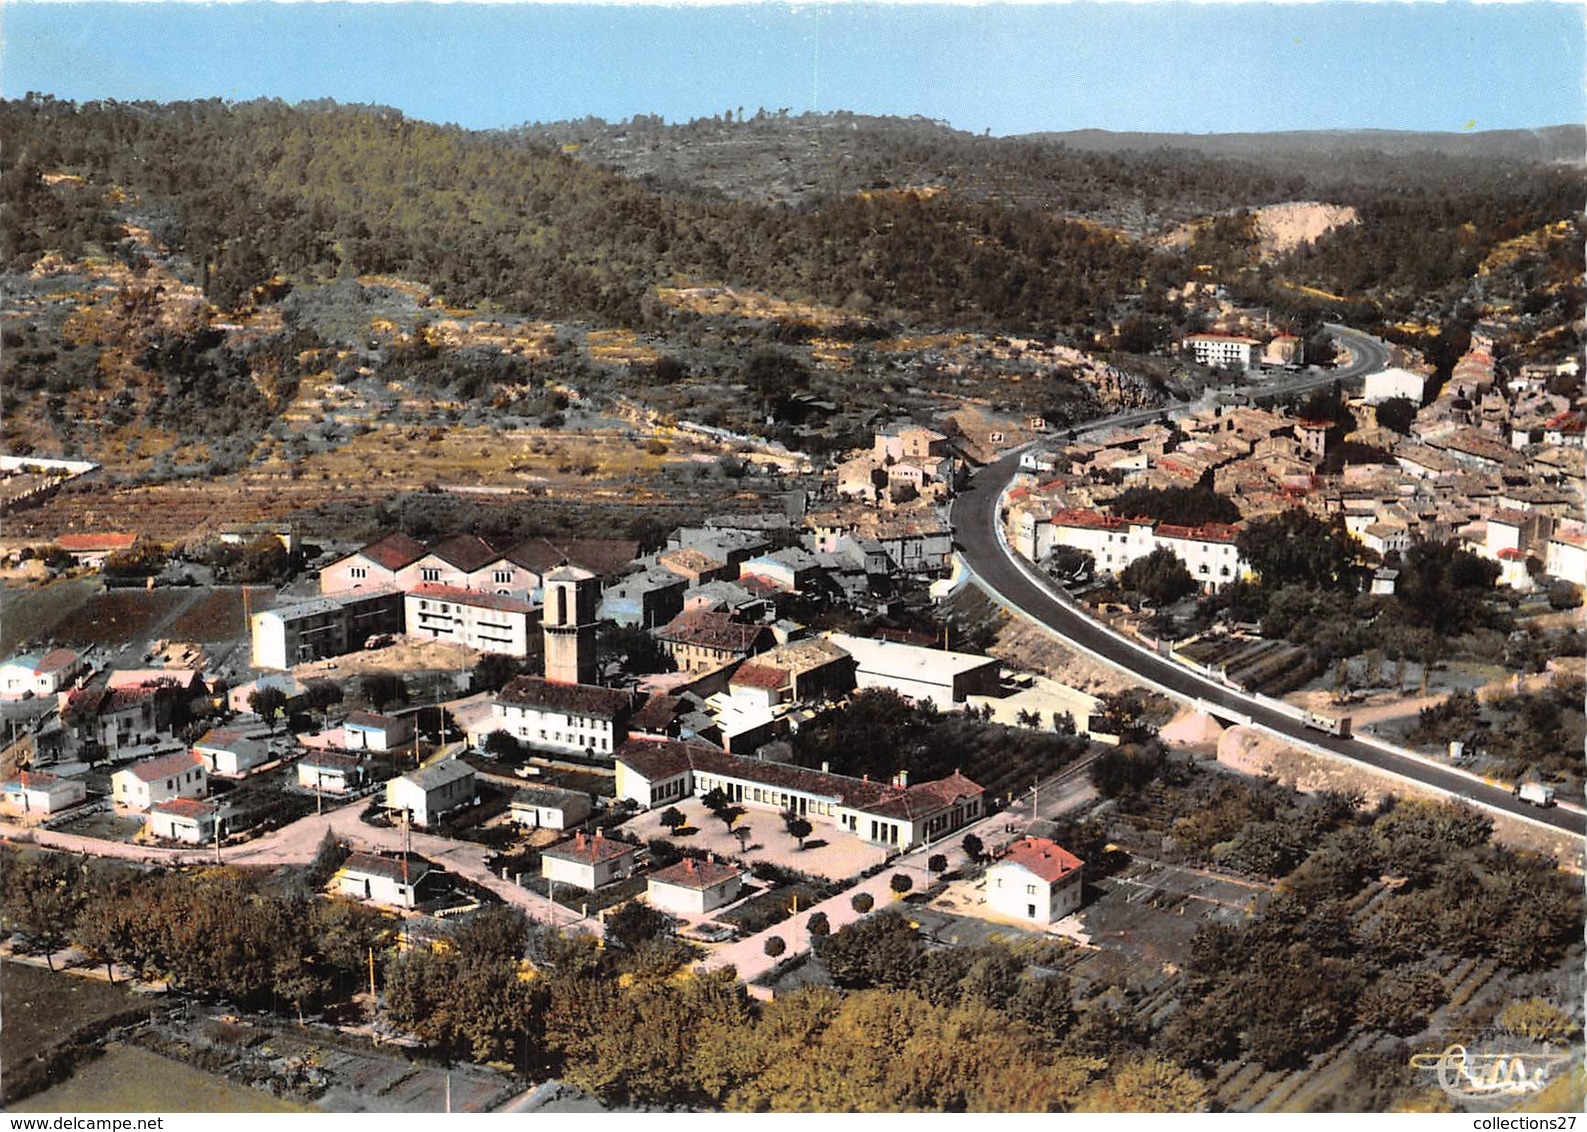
[311,192]
[257,189]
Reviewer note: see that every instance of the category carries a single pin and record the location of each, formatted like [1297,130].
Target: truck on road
[1339,727]
[1535,793]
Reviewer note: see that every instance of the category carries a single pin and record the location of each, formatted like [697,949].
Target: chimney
[901,779]
[688,865]
[826,767]
[578,840]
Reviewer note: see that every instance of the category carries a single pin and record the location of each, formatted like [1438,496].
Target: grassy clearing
[44,1008]
[30,614]
[128,1079]
[218,615]
[119,617]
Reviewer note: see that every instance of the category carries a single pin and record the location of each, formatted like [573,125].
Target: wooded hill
[257,189]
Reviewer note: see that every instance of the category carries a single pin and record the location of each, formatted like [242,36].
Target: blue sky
[1012,69]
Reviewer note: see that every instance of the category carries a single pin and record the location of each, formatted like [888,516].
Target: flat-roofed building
[935,675]
[1224,350]
[488,622]
[324,627]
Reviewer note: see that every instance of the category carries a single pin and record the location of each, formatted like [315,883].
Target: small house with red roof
[150,781]
[191,821]
[40,792]
[1035,880]
[588,861]
[91,550]
[693,888]
[36,674]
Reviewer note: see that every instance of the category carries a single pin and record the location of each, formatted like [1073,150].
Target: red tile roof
[659,715]
[394,551]
[603,556]
[760,676]
[574,699]
[466,552]
[504,603]
[713,629]
[165,766]
[1046,859]
[184,808]
[690,873]
[57,659]
[589,850]
[82,544]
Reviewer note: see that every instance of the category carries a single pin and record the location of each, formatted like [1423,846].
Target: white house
[693,888]
[330,771]
[1036,880]
[40,792]
[1387,384]
[145,783]
[393,881]
[228,752]
[431,791]
[1209,552]
[369,731]
[588,862]
[189,820]
[545,807]
[34,675]
[1566,556]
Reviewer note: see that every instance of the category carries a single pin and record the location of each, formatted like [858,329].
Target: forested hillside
[905,219]
[261,188]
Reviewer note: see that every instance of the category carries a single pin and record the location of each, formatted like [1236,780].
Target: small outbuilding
[694,888]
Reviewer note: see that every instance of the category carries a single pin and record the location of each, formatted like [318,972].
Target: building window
[503,577]
[358,572]
[430,573]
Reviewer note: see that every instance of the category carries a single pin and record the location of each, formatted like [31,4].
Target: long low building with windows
[895,814]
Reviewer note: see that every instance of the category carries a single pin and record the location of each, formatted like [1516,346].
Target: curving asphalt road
[974,518]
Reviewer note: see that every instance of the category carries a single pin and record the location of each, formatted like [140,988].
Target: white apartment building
[489,622]
[1220,350]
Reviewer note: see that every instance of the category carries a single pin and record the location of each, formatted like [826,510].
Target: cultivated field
[128,1079]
